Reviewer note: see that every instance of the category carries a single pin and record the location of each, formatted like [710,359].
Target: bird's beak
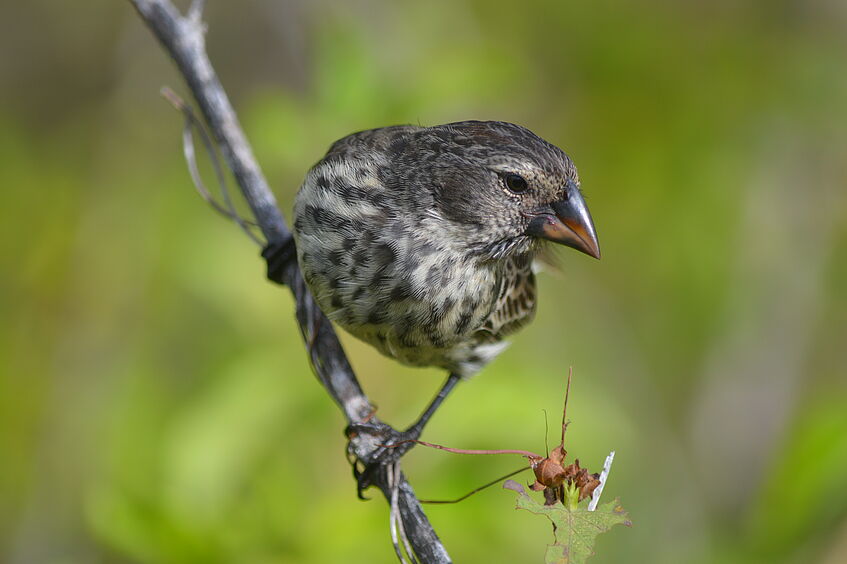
[567,222]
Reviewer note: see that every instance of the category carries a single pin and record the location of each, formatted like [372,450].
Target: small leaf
[575,531]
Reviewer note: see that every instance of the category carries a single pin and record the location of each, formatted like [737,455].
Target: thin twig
[195,11]
[527,453]
[395,520]
[475,490]
[192,123]
[565,409]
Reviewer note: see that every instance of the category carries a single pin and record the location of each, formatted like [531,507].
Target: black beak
[567,222]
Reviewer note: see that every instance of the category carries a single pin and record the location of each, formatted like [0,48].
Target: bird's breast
[380,271]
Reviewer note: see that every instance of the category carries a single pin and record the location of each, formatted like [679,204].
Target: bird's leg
[394,444]
[415,430]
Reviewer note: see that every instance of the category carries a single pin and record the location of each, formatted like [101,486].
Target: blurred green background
[156,404]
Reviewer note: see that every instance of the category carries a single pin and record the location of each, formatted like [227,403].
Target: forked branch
[183,39]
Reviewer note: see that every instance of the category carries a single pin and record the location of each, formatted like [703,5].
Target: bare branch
[183,39]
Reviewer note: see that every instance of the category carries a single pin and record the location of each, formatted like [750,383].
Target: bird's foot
[384,446]
[279,256]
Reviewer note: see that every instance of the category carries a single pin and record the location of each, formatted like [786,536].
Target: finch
[420,240]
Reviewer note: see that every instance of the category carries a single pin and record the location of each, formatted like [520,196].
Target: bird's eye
[515,183]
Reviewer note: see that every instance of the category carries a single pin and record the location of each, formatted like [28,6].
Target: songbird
[420,240]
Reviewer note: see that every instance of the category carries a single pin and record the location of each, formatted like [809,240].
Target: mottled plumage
[420,241]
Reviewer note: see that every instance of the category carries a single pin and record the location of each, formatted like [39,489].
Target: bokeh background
[156,404]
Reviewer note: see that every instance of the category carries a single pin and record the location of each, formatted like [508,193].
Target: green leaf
[576,530]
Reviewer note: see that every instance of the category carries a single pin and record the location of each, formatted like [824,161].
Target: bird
[420,241]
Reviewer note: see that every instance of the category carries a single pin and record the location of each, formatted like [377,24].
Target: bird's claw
[278,256]
[384,446]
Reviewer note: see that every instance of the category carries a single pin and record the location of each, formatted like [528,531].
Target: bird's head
[503,190]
